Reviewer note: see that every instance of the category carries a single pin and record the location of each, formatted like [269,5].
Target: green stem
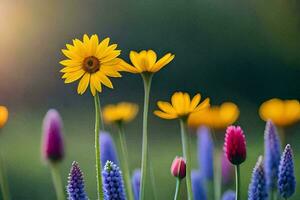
[237,182]
[98,119]
[124,158]
[152,176]
[3,181]
[147,78]
[178,181]
[56,178]
[186,155]
[218,175]
[273,195]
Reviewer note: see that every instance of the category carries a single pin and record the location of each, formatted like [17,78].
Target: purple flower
[227,170]
[198,186]
[272,154]
[52,142]
[286,177]
[136,182]
[113,185]
[228,195]
[107,149]
[205,153]
[75,188]
[257,187]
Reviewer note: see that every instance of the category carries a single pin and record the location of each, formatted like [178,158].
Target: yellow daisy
[3,116]
[92,62]
[146,61]
[281,112]
[216,117]
[181,106]
[119,113]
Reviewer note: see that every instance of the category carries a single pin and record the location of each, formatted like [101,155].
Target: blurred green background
[241,51]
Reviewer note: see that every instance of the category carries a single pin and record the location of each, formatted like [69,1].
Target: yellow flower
[281,112]
[146,61]
[181,106]
[121,112]
[3,116]
[92,62]
[216,117]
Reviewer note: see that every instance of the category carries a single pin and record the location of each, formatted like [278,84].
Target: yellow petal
[166,107]
[96,82]
[151,57]
[70,69]
[70,63]
[108,51]
[178,102]
[205,104]
[135,60]
[101,47]
[111,56]
[83,83]
[124,66]
[103,79]
[195,101]
[164,115]
[73,76]
[110,71]
[72,55]
[94,44]
[162,62]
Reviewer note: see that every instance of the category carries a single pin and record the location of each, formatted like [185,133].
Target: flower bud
[178,168]
[52,143]
[235,145]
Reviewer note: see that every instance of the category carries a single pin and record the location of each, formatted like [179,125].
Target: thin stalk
[98,120]
[147,78]
[124,158]
[3,181]
[178,182]
[273,195]
[218,176]
[237,182]
[186,155]
[56,178]
[153,183]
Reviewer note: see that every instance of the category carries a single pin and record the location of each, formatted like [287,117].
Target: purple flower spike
[198,187]
[75,188]
[113,185]
[272,155]
[136,182]
[52,142]
[228,195]
[286,177]
[227,170]
[257,187]
[107,149]
[205,153]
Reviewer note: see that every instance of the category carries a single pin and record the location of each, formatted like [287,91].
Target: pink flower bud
[235,145]
[178,168]
[52,142]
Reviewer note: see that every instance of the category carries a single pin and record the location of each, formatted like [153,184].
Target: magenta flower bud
[52,141]
[235,145]
[178,168]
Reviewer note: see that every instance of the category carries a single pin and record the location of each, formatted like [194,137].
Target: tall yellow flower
[216,117]
[281,112]
[92,62]
[146,64]
[181,106]
[3,116]
[146,61]
[120,113]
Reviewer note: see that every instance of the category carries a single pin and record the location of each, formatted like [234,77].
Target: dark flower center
[91,64]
